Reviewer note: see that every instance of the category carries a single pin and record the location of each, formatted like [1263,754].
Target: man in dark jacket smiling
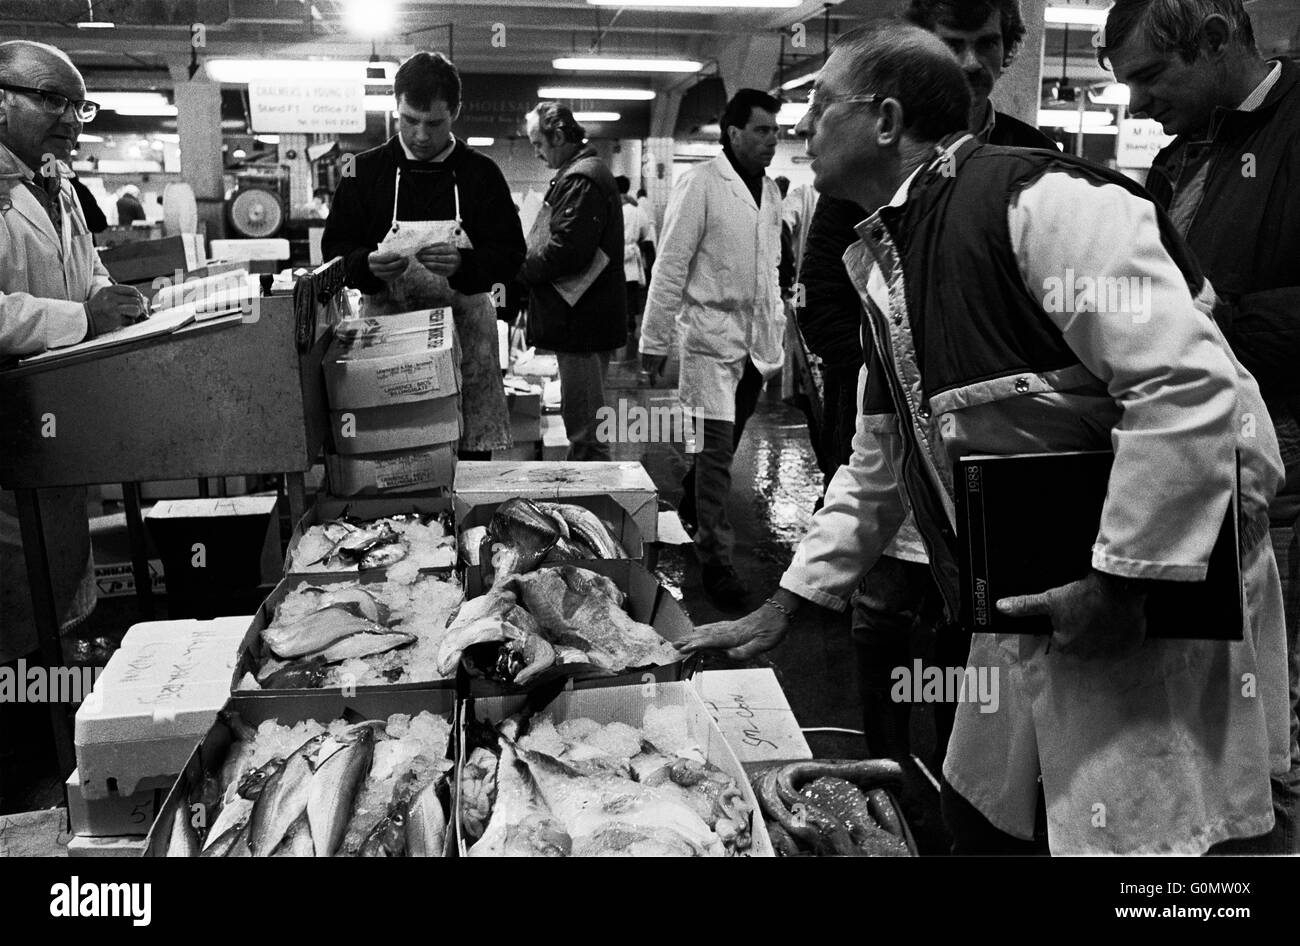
[577,303]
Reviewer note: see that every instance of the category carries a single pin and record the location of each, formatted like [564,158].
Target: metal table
[236,395]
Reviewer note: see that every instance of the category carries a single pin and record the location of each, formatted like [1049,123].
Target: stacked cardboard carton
[394,391]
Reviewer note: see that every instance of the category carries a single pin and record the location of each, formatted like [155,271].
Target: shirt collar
[989,122]
[436,159]
[1253,101]
[901,195]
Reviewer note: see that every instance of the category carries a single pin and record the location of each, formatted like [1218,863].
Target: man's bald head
[912,66]
[26,127]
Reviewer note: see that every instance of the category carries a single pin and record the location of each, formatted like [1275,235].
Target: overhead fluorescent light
[791,113]
[96,25]
[134,103]
[1076,16]
[625,64]
[1069,119]
[243,71]
[369,18]
[591,92]
[268,139]
[89,139]
[751,4]
[476,142]
[789,84]
[596,116]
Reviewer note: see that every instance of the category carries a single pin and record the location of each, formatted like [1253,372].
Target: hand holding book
[1097,616]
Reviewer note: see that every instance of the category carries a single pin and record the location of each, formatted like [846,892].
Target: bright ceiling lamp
[1069,119]
[90,23]
[791,113]
[134,103]
[1076,16]
[751,4]
[89,139]
[475,141]
[370,18]
[591,92]
[596,116]
[625,64]
[237,71]
[1112,93]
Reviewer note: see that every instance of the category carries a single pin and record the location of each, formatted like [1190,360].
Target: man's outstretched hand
[741,639]
[1094,617]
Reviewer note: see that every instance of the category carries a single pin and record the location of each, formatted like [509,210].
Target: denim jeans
[582,395]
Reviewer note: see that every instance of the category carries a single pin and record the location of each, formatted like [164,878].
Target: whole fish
[384,555]
[586,527]
[283,799]
[388,839]
[232,842]
[520,535]
[365,644]
[297,843]
[496,618]
[362,601]
[354,546]
[316,631]
[252,783]
[306,673]
[426,824]
[334,788]
[183,841]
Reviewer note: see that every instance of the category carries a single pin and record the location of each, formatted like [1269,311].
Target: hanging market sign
[323,107]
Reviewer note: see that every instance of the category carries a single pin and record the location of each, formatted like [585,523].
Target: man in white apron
[426,198]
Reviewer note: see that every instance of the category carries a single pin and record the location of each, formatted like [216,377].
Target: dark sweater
[362,213]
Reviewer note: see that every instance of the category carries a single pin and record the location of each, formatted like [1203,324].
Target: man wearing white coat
[54,292]
[1138,746]
[716,278]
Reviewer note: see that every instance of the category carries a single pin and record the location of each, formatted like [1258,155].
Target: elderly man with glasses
[1126,745]
[54,292]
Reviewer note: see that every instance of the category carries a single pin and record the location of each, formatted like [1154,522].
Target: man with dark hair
[1158,737]
[1230,181]
[424,178]
[577,297]
[716,279]
[985,36]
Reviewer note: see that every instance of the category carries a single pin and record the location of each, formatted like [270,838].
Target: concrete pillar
[300,176]
[1019,91]
[658,175]
[198,123]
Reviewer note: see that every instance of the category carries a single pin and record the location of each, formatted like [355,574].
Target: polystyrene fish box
[751,710]
[626,704]
[369,474]
[363,508]
[397,426]
[117,815]
[493,481]
[155,699]
[209,752]
[106,847]
[393,359]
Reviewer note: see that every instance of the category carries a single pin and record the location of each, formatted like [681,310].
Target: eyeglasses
[818,103]
[55,103]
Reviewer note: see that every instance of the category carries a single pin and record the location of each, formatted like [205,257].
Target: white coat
[45,280]
[715,282]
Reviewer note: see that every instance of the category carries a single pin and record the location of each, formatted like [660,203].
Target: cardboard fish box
[117,815]
[210,752]
[253,651]
[106,847]
[326,508]
[625,704]
[419,469]
[239,538]
[645,600]
[625,531]
[754,716]
[490,481]
[525,411]
[394,359]
[155,699]
[396,426]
